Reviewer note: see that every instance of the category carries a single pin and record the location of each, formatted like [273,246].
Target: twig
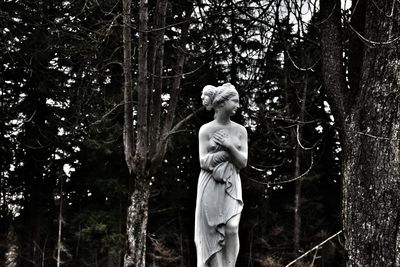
[179,124]
[371,43]
[314,248]
[263,168]
[33,114]
[298,177]
[311,68]
[111,111]
[299,142]
[292,120]
[314,258]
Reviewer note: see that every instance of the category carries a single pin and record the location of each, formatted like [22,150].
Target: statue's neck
[222,117]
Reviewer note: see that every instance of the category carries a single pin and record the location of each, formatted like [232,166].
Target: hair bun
[208,96]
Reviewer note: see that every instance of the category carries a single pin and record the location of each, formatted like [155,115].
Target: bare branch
[179,124]
[314,248]
[302,68]
[290,180]
[299,142]
[177,80]
[110,111]
[371,43]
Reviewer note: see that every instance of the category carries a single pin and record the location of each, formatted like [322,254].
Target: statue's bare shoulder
[240,129]
[206,129]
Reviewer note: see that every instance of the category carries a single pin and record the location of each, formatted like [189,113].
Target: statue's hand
[222,138]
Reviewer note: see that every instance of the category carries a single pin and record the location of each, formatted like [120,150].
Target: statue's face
[203,98]
[232,104]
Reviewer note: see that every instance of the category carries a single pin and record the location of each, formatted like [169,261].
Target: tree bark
[129,133]
[332,58]
[371,173]
[11,256]
[142,144]
[370,136]
[137,217]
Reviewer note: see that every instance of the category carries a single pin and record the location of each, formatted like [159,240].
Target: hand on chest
[224,138]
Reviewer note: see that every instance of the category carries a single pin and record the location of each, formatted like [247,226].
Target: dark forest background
[65,184]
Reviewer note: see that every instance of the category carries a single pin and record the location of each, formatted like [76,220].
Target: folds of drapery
[219,198]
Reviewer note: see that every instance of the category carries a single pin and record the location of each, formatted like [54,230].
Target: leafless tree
[146,139]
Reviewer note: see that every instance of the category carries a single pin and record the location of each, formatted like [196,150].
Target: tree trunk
[60,223]
[232,47]
[333,72]
[297,205]
[142,143]
[370,135]
[129,133]
[136,229]
[11,256]
[37,188]
[299,182]
[371,186]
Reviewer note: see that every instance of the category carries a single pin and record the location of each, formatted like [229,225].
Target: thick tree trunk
[136,229]
[371,195]
[371,185]
[370,133]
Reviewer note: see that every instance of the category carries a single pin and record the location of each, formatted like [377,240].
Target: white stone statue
[223,152]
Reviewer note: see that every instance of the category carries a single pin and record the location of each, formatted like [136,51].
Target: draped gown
[219,198]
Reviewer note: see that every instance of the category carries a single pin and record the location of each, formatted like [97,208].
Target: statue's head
[214,97]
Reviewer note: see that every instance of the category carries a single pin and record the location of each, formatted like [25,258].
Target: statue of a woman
[223,152]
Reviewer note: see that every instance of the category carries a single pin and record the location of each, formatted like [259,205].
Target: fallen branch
[314,248]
